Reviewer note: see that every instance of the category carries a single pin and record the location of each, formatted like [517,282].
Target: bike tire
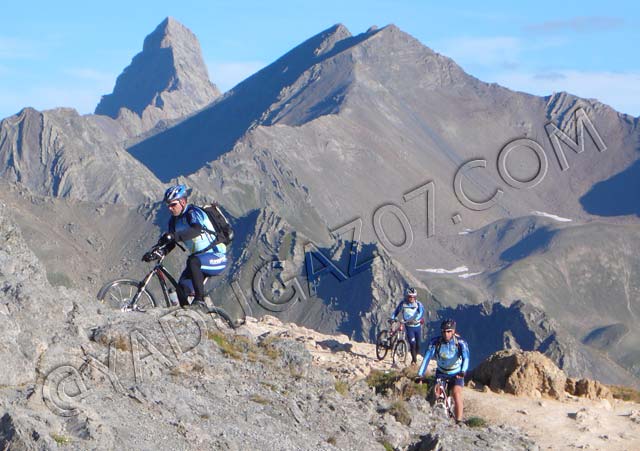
[117,293]
[382,346]
[225,316]
[400,351]
[451,407]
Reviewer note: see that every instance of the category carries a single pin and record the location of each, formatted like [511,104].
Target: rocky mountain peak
[170,34]
[166,81]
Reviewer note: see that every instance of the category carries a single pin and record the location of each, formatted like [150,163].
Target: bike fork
[131,305]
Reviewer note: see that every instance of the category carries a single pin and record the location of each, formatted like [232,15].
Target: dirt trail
[574,423]
[570,424]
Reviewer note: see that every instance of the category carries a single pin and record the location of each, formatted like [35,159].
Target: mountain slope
[59,153]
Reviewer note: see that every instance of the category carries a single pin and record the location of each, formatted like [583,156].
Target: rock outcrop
[587,388]
[521,373]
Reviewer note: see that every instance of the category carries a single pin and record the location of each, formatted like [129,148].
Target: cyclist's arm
[420,313]
[427,356]
[396,311]
[195,227]
[465,356]
[188,234]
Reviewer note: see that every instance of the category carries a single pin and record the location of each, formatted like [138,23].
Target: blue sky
[69,53]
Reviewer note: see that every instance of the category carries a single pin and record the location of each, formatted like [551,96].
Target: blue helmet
[175,192]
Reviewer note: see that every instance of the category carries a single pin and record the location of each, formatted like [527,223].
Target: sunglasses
[173,204]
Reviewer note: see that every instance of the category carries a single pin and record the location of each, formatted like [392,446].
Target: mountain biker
[413,315]
[452,357]
[190,225]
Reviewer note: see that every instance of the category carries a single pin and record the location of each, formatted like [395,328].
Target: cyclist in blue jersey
[191,225]
[452,357]
[412,312]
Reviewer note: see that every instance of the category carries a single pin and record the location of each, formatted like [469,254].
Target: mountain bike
[393,339]
[444,404]
[130,295]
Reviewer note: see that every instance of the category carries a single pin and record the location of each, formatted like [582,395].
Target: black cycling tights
[415,350]
[193,272]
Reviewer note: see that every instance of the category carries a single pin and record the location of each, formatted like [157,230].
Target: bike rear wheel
[382,344]
[118,293]
[400,351]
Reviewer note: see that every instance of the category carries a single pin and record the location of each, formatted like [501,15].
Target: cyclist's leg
[185,287]
[197,278]
[413,337]
[456,393]
[209,264]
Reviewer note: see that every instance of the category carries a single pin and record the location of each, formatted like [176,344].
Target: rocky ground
[570,422]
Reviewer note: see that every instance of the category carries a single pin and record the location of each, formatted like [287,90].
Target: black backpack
[223,229]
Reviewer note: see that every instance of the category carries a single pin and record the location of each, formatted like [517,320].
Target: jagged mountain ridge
[401,137]
[168,80]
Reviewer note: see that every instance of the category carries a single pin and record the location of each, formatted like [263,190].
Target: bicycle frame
[163,275]
[443,399]
[395,334]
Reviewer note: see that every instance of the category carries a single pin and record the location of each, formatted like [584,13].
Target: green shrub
[61,440]
[382,381]
[268,348]
[228,348]
[476,422]
[342,387]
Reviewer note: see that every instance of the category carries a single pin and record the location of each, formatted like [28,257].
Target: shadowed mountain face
[616,196]
[522,326]
[255,101]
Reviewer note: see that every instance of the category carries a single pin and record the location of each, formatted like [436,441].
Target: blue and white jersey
[412,312]
[194,216]
[452,357]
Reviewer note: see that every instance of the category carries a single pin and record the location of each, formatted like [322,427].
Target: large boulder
[528,373]
[588,388]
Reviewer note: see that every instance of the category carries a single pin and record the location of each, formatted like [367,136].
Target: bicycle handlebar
[157,252]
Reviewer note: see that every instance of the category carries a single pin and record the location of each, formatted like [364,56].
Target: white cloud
[484,51]
[618,90]
[578,24]
[14,48]
[227,74]
[91,75]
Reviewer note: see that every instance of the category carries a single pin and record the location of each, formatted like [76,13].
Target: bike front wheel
[400,353]
[450,407]
[119,293]
[382,344]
